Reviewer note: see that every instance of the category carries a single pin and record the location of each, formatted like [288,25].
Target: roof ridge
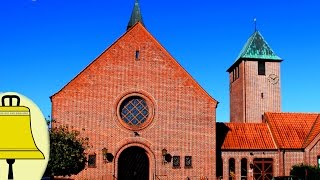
[311,131]
[308,113]
[245,47]
[274,139]
[94,60]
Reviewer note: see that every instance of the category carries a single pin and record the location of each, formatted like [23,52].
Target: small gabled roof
[245,136]
[256,48]
[136,15]
[292,130]
[313,133]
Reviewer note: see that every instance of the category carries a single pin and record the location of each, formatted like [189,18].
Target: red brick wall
[292,158]
[237,108]
[257,84]
[238,155]
[184,114]
[246,101]
[312,152]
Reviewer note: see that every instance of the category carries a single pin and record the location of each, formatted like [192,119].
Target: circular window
[135,112]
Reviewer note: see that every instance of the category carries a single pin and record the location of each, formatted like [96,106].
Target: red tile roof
[238,136]
[313,133]
[293,130]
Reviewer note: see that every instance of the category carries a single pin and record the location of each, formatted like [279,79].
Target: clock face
[273,79]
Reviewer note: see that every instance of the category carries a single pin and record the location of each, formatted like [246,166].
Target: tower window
[261,68]
[235,73]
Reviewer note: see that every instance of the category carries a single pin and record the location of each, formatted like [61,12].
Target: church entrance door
[133,164]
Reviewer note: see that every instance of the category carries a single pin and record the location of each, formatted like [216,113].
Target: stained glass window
[134,111]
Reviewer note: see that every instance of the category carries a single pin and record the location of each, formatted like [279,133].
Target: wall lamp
[166,156]
[107,157]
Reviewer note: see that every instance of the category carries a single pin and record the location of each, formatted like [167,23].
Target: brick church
[147,118]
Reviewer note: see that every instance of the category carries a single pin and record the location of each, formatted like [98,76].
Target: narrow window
[318,161]
[261,68]
[238,75]
[232,169]
[261,95]
[244,165]
[137,54]
[92,161]
[188,161]
[233,74]
[176,161]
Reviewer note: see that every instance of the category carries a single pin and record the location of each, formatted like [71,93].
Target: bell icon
[16,139]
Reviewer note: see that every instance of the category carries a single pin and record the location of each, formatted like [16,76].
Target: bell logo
[24,138]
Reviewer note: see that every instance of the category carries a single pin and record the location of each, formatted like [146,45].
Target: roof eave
[237,62]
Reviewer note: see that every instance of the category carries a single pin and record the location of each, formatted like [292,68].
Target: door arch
[133,164]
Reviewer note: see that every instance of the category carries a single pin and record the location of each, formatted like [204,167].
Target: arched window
[232,168]
[244,165]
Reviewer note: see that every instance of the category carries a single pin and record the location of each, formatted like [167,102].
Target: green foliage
[67,156]
[304,171]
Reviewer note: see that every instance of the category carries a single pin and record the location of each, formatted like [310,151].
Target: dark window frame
[235,73]
[244,169]
[188,159]
[232,168]
[261,68]
[263,167]
[137,55]
[92,163]
[176,162]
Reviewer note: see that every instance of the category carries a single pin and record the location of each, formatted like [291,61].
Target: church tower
[254,81]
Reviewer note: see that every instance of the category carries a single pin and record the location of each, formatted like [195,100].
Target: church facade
[147,118]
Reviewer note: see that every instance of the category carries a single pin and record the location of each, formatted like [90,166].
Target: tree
[303,170]
[67,152]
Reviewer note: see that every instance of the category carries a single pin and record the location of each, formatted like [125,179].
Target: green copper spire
[135,16]
[257,48]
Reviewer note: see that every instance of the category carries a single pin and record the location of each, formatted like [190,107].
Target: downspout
[245,91]
[283,163]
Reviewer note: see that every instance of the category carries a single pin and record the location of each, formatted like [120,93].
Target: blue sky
[46,43]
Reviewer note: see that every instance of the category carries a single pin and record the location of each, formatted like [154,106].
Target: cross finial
[255,24]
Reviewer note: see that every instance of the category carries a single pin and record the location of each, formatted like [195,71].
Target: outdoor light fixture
[251,166]
[107,157]
[166,156]
[136,134]
[164,152]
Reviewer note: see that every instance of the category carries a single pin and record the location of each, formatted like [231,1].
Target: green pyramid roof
[135,15]
[257,48]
